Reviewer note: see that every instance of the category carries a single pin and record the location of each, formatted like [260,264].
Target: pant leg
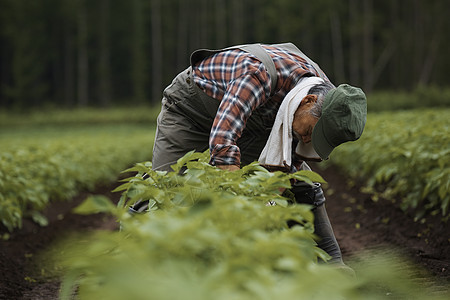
[175,136]
[313,195]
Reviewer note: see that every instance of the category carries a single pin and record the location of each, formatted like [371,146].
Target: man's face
[304,122]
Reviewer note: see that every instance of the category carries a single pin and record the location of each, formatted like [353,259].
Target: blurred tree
[368,45]
[68,55]
[157,50]
[24,33]
[220,20]
[83,60]
[338,51]
[182,35]
[237,18]
[65,52]
[104,69]
[436,31]
[137,52]
[203,11]
[306,34]
[354,36]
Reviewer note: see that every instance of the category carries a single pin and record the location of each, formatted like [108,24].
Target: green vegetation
[403,155]
[420,97]
[42,163]
[211,235]
[88,115]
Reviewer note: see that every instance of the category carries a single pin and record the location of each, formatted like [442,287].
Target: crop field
[406,156]
[210,234]
[45,159]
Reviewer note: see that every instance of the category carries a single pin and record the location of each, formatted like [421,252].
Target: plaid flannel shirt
[242,84]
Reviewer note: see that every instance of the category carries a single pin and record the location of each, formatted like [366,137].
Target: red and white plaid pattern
[242,84]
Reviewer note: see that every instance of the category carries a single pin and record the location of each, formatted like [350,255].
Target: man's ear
[309,99]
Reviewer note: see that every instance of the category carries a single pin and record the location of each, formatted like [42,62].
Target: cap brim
[319,141]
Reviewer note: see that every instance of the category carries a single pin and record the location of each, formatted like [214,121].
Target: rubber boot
[139,207]
[313,195]
[327,240]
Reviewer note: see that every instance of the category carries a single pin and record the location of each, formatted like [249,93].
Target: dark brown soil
[359,224]
[18,254]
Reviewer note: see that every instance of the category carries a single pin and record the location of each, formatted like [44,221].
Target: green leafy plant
[422,97]
[43,164]
[209,234]
[88,115]
[404,155]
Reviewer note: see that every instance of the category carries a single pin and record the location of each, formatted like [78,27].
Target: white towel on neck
[278,149]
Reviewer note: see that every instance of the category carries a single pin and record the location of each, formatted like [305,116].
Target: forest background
[77,53]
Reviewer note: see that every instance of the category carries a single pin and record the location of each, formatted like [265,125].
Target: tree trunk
[237,17]
[429,62]
[354,38]
[395,70]
[221,24]
[368,45]
[69,79]
[436,28]
[83,64]
[283,30]
[203,16]
[157,54]
[338,53]
[104,61]
[307,43]
[138,65]
[182,35]
[419,39]
[382,61]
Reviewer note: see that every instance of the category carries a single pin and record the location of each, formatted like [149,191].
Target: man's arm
[228,167]
[241,98]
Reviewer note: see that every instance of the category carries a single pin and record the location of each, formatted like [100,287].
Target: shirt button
[188,80]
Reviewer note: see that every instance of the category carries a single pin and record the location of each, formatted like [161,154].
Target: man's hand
[228,167]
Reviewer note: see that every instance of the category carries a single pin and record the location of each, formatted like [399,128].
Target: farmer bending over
[269,103]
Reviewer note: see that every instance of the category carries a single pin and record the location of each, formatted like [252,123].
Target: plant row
[93,116]
[420,97]
[43,164]
[210,234]
[403,155]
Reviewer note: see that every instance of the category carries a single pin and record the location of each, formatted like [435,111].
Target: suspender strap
[258,51]
[267,61]
[255,49]
[291,47]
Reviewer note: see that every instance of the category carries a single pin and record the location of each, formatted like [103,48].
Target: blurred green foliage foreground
[210,234]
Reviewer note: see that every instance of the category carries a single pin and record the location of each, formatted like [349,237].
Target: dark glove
[308,194]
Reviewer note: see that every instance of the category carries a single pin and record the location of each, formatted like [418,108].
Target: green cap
[344,114]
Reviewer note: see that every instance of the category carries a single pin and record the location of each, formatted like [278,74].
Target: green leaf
[139,167]
[302,178]
[192,155]
[443,190]
[281,202]
[39,218]
[121,187]
[313,176]
[95,204]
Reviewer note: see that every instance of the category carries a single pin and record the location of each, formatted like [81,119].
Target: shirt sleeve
[242,96]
